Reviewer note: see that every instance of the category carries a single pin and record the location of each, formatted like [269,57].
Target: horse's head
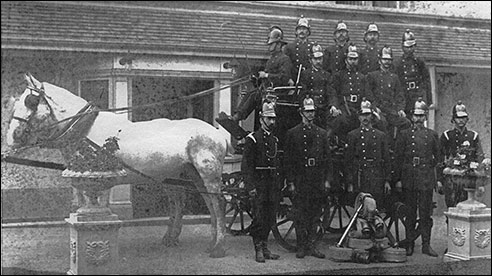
[30,113]
[36,111]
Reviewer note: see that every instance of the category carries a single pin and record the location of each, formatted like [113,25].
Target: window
[384,4]
[96,92]
[146,90]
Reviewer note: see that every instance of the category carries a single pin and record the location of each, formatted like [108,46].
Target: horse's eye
[32,102]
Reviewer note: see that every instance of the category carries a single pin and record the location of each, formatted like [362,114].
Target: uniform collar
[265,132]
[461,132]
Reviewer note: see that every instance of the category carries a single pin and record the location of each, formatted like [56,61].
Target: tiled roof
[216,30]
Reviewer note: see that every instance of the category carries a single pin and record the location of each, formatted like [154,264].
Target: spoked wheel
[396,217]
[338,213]
[285,229]
[238,207]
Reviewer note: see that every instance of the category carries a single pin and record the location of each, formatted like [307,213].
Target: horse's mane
[63,102]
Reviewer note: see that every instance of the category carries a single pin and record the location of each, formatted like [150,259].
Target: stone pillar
[468,231]
[93,243]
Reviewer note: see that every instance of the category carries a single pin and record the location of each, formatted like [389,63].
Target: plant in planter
[466,173]
[94,170]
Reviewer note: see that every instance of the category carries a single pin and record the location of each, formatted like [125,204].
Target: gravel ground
[44,250]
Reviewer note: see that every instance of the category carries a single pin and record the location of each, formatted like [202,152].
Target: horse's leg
[213,221]
[207,157]
[218,206]
[191,173]
[176,205]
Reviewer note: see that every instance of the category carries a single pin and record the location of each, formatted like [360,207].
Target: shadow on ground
[22,271]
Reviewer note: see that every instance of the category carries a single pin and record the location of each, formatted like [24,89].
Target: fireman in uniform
[299,50]
[418,152]
[413,73]
[451,141]
[309,167]
[316,84]
[349,85]
[277,73]
[335,55]
[386,93]
[369,54]
[367,159]
[259,169]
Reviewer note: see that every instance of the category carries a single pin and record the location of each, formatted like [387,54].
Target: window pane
[96,92]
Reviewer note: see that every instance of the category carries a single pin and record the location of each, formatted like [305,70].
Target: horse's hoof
[217,253]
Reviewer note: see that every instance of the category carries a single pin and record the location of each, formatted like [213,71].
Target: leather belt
[266,168]
[368,163]
[411,85]
[418,161]
[311,162]
[352,98]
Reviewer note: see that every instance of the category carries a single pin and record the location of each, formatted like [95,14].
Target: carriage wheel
[338,213]
[238,208]
[284,230]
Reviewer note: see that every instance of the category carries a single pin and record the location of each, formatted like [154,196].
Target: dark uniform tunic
[349,85]
[259,170]
[385,92]
[369,59]
[334,60]
[418,153]
[298,51]
[415,79]
[367,161]
[317,84]
[451,140]
[308,164]
[278,68]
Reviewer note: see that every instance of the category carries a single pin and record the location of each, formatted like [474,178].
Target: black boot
[267,254]
[410,248]
[259,257]
[427,249]
[301,252]
[313,251]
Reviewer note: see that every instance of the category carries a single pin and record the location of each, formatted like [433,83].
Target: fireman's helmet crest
[371,28]
[316,51]
[408,38]
[365,107]
[276,35]
[459,110]
[341,26]
[303,22]
[268,110]
[386,52]
[352,51]
[308,104]
[420,107]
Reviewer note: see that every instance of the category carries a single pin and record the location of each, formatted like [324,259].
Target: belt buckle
[411,85]
[311,162]
[416,161]
[353,98]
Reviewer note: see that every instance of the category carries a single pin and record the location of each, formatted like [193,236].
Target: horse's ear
[31,81]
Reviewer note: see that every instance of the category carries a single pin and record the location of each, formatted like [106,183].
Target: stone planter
[94,228]
[93,189]
[469,182]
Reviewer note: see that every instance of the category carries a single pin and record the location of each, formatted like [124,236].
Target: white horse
[160,148]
